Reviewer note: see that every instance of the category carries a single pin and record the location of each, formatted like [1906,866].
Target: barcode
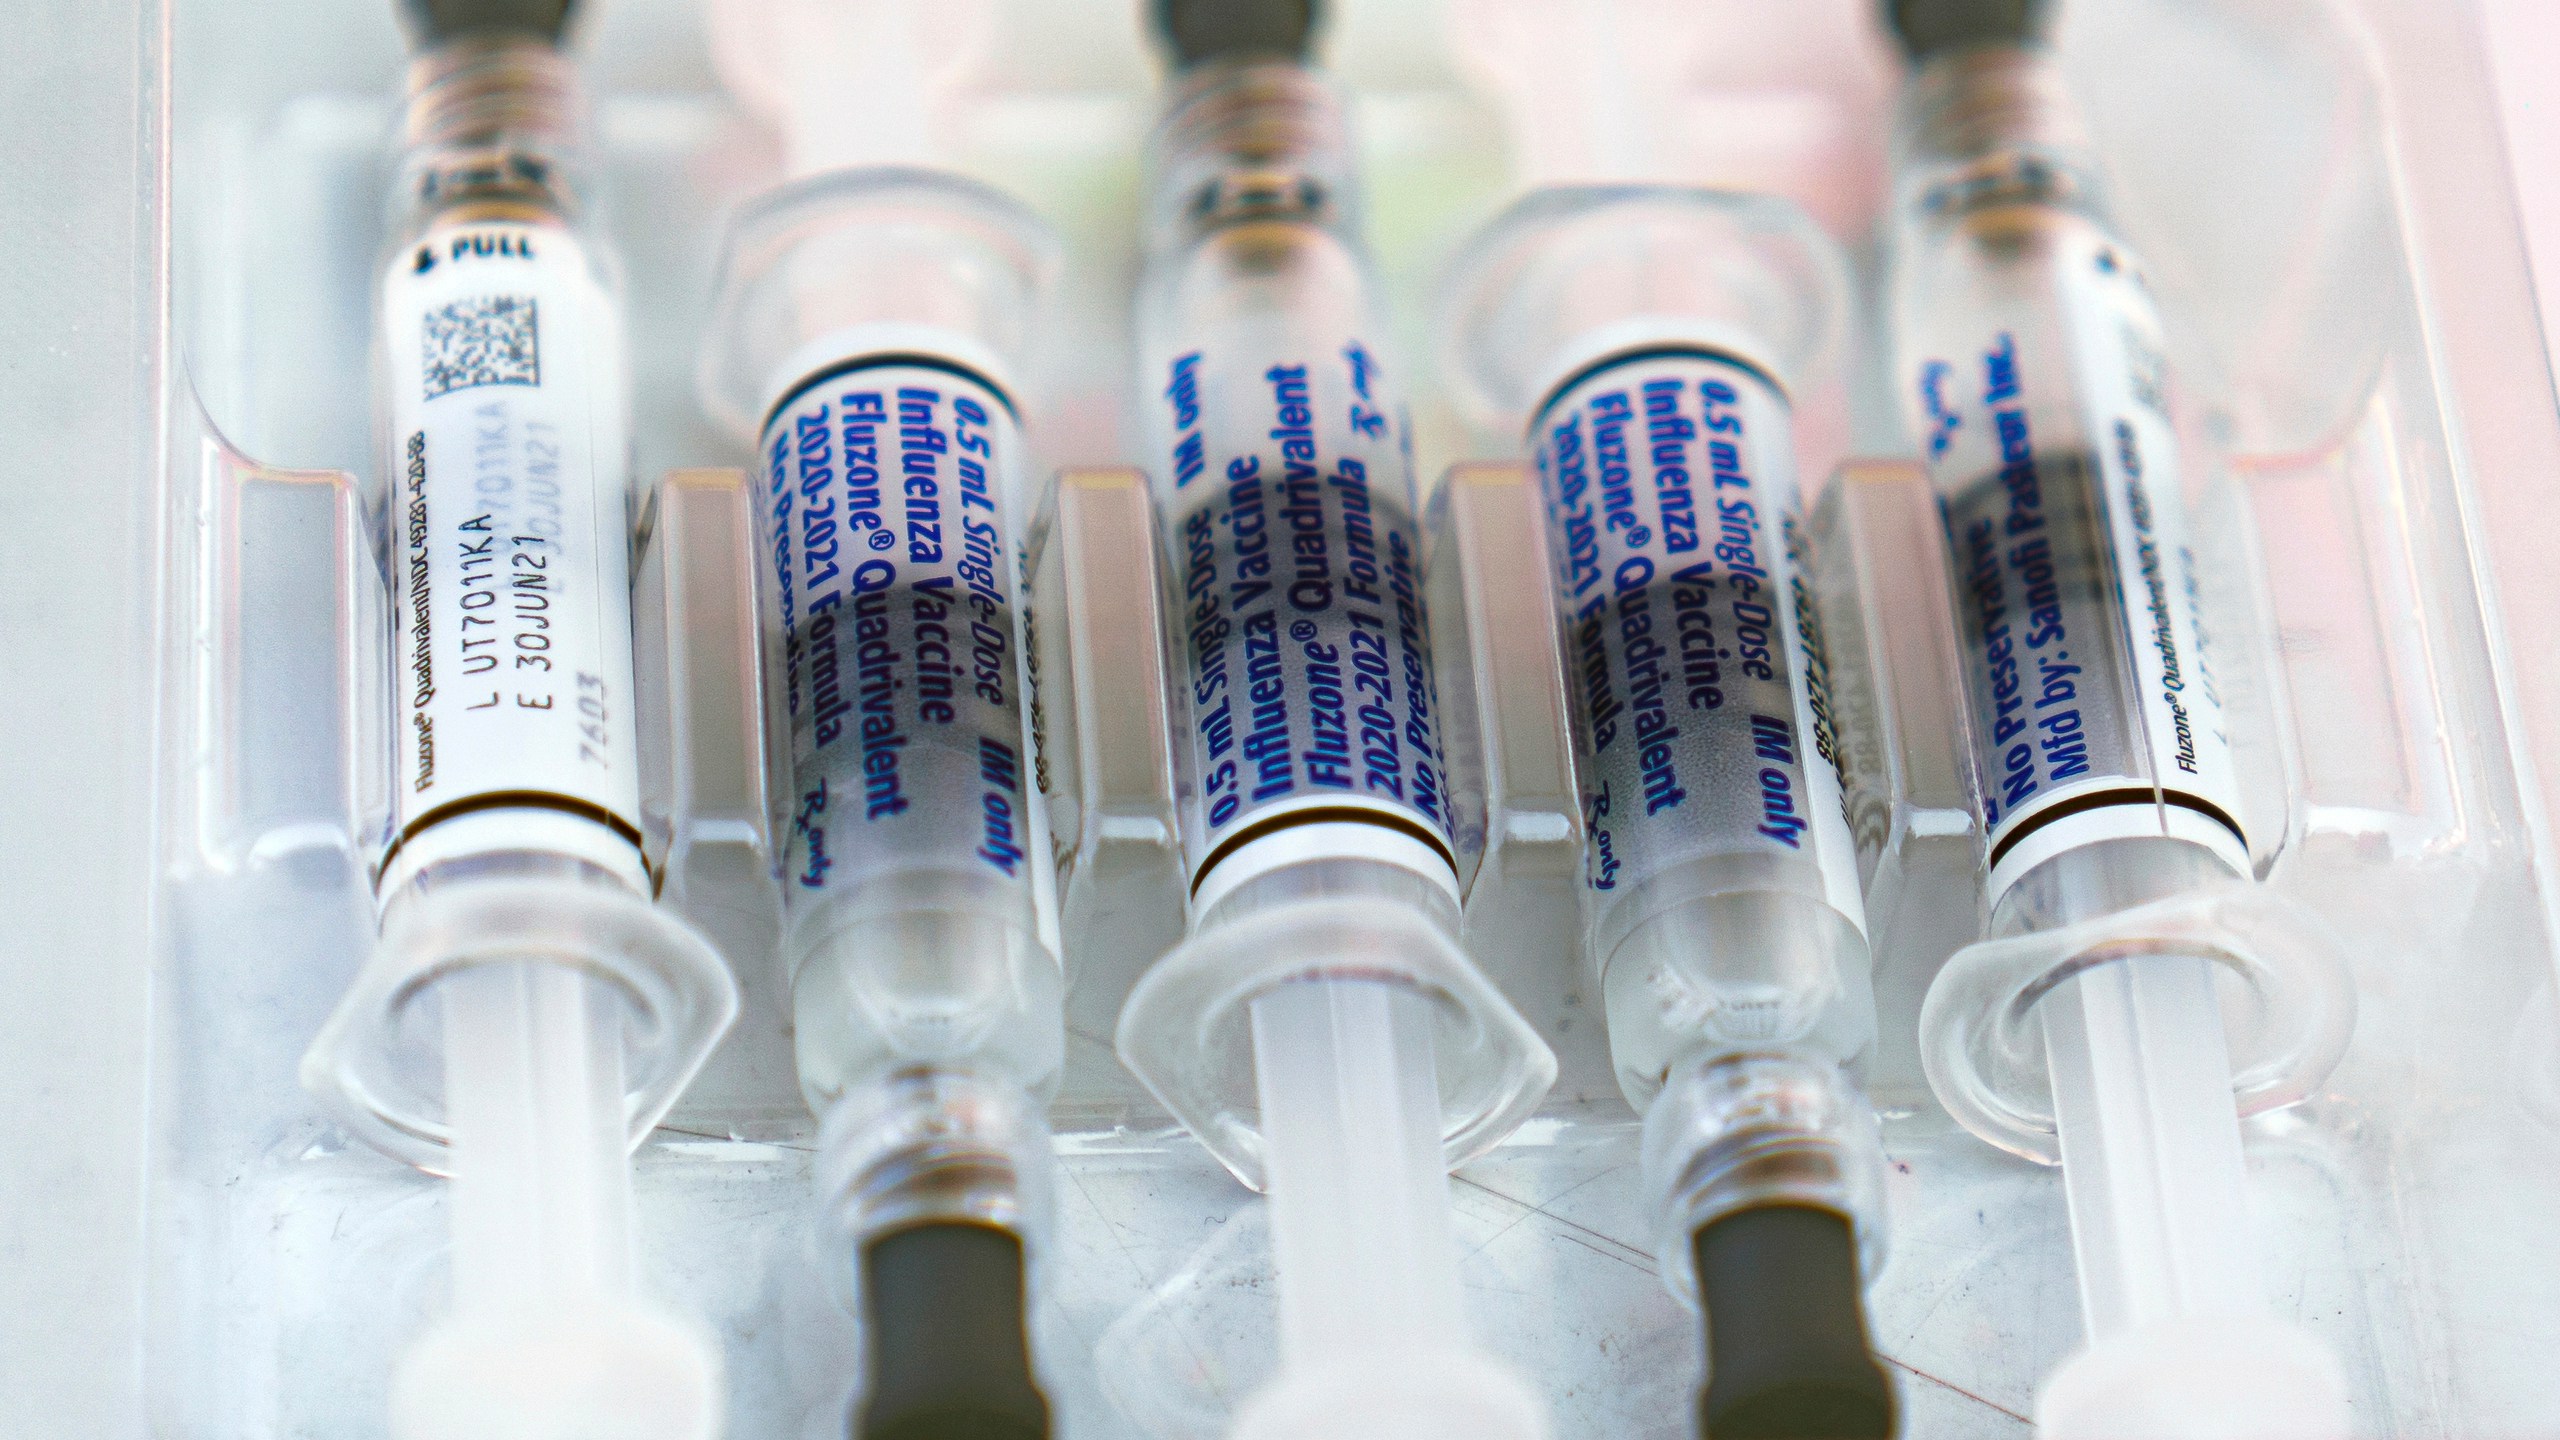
[484,340]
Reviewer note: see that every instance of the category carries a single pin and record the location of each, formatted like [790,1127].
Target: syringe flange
[1982,1043]
[377,1064]
[1186,1030]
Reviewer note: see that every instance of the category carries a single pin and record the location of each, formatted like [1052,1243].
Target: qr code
[485,340]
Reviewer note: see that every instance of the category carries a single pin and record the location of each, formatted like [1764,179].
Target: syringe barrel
[1721,889]
[2033,374]
[1285,473]
[1646,340]
[505,432]
[913,908]
[871,322]
[868,333]
[1720,881]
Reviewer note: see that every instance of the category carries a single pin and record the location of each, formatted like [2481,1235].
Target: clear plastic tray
[2316,182]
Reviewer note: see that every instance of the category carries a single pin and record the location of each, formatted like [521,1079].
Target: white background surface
[79,412]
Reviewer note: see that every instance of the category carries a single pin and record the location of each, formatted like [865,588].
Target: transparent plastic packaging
[2034,380]
[2320,195]
[1323,976]
[1102,686]
[528,1015]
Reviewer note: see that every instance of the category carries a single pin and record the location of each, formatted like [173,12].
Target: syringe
[869,335]
[1296,1032]
[2029,357]
[529,1013]
[1646,338]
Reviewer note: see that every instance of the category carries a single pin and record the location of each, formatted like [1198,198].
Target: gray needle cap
[1927,27]
[1787,1354]
[950,1359]
[435,21]
[1199,31]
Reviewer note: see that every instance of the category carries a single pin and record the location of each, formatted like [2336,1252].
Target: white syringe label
[1701,701]
[2094,711]
[886,487]
[1305,645]
[509,550]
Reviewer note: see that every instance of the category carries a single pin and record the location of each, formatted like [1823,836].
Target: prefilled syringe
[529,1013]
[2029,355]
[870,337]
[1645,338]
[1324,884]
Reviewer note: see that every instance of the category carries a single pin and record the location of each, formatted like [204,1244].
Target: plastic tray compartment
[2303,175]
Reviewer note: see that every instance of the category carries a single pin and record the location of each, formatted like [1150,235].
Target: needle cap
[1927,27]
[435,21]
[1787,1354]
[1199,31]
[950,1359]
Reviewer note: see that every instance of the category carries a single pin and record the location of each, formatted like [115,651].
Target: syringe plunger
[1359,1201]
[1371,1329]
[547,1339]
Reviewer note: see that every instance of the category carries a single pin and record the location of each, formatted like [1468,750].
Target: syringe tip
[433,22]
[1199,31]
[1787,1354]
[1926,27]
[950,1359]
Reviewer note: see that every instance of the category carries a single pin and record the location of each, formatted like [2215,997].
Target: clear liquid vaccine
[887,484]
[2043,410]
[1298,567]
[1693,646]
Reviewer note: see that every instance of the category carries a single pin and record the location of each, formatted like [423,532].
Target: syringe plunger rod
[547,1339]
[1372,1335]
[2150,1143]
[541,1192]
[1359,1201]
[2180,1341]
